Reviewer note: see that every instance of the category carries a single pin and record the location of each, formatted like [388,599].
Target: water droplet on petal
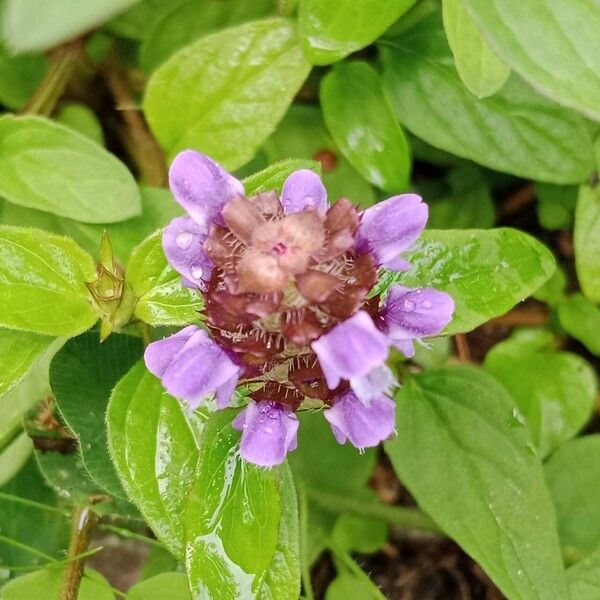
[409,306]
[184,240]
[196,272]
[426,304]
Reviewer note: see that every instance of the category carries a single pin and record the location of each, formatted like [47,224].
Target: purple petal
[194,369]
[303,189]
[364,425]
[351,349]
[413,314]
[202,186]
[376,382]
[391,227]
[405,346]
[268,432]
[183,244]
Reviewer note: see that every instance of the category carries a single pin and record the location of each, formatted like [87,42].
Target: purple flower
[354,350]
[191,366]
[364,424]
[268,432]
[303,189]
[410,315]
[392,227]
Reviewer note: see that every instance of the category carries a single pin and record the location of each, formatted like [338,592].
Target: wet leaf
[486,272]
[473,471]
[42,283]
[224,94]
[82,375]
[162,299]
[154,450]
[361,121]
[50,167]
[587,241]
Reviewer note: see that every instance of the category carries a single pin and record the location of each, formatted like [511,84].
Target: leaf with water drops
[470,466]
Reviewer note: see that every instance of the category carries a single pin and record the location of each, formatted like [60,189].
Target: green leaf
[554,391]
[347,586]
[302,134]
[19,77]
[225,93]
[553,44]
[46,583]
[154,450]
[486,272]
[556,205]
[478,67]
[162,299]
[573,476]
[166,585]
[14,456]
[273,177]
[41,529]
[42,283]
[581,318]
[553,291]
[474,473]
[584,578]
[332,30]
[82,376]
[515,131]
[29,25]
[354,533]
[191,20]
[587,241]
[50,167]
[81,118]
[19,351]
[360,118]
[241,523]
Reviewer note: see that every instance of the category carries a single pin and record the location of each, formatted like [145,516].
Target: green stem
[402,516]
[306,579]
[128,534]
[27,548]
[84,521]
[54,563]
[33,504]
[351,565]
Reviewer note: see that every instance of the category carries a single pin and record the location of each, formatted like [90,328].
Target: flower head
[286,281]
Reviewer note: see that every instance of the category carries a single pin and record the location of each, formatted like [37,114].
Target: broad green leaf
[82,376]
[154,450]
[584,578]
[332,30]
[581,318]
[19,351]
[162,299]
[587,241]
[14,456]
[41,529]
[302,134]
[82,118]
[137,22]
[486,272]
[556,205]
[478,67]
[514,131]
[573,476]
[554,391]
[354,533]
[226,93]
[553,44]
[46,584]
[273,177]
[42,283]
[348,586]
[553,291]
[160,587]
[19,77]
[361,121]
[469,465]
[241,523]
[31,25]
[51,167]
[158,561]
[191,20]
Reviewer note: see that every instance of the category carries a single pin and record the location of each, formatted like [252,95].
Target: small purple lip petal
[413,314]
[351,349]
[191,366]
[303,189]
[269,432]
[364,425]
[201,186]
[407,347]
[378,381]
[391,227]
[183,244]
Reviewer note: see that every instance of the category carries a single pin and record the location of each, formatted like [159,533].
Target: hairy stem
[84,522]
[402,516]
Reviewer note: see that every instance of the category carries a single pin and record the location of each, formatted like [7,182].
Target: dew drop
[184,240]
[196,272]
[426,304]
[409,306]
